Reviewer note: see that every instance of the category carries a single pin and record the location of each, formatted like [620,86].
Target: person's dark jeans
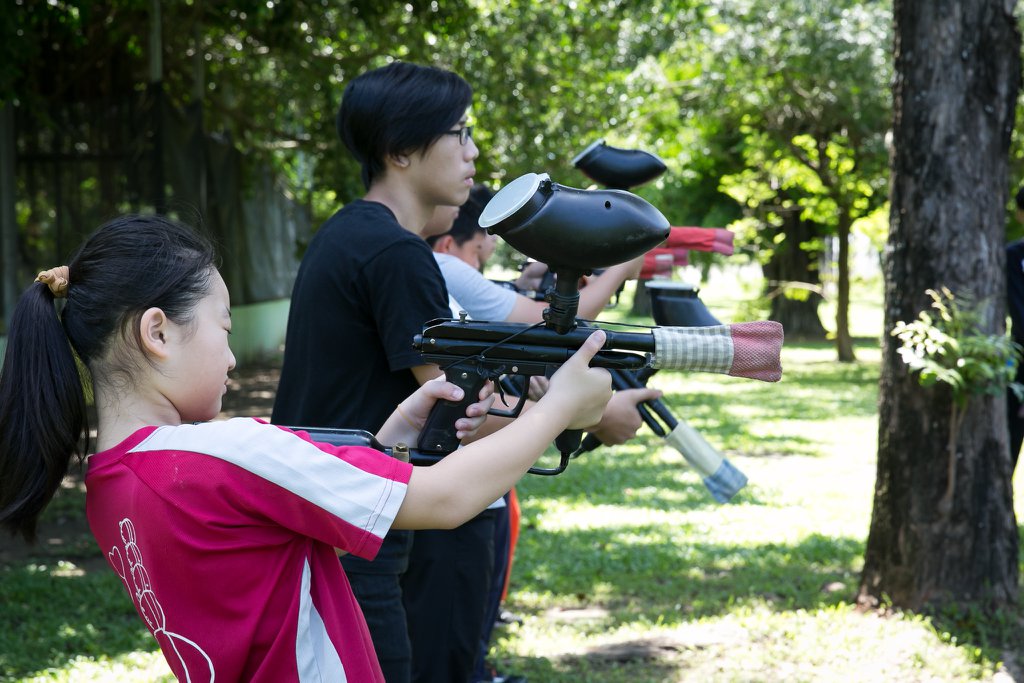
[493,607]
[376,585]
[1016,424]
[444,591]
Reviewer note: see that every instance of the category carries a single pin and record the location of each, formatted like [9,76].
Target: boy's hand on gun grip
[538,387]
[416,408]
[582,391]
[621,419]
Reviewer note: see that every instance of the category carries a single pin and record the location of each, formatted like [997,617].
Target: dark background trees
[771,116]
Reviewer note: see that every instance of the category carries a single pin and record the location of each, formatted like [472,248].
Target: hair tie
[56,279]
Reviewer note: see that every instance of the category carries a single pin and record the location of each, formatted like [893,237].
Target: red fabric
[653,265]
[680,241]
[718,240]
[756,349]
[224,535]
[513,537]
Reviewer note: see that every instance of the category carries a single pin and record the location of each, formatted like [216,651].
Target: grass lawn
[626,569]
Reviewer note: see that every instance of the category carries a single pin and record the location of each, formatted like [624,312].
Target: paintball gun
[672,303]
[658,261]
[575,231]
[623,169]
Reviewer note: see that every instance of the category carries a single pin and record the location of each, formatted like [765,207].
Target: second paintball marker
[575,231]
[671,304]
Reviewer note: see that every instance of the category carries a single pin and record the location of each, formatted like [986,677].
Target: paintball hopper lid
[570,228]
[618,168]
[521,193]
[672,285]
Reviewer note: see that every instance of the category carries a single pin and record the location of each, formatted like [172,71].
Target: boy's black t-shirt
[364,289]
[1015,288]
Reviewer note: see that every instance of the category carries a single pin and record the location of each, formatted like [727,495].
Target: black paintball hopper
[570,228]
[676,304]
[573,231]
[617,168]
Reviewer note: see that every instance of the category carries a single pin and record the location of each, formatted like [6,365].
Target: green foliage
[695,82]
[799,90]
[949,347]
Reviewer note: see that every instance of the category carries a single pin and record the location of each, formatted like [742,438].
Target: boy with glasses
[366,285]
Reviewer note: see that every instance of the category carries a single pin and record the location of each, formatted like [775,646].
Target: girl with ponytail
[225,533]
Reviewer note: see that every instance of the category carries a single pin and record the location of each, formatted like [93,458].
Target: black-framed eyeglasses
[464,134]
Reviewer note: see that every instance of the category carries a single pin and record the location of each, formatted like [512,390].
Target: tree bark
[641,307]
[956,83]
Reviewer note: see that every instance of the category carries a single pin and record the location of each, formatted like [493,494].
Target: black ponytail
[129,265]
[42,411]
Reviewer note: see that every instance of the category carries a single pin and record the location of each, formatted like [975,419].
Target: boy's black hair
[398,109]
[467,223]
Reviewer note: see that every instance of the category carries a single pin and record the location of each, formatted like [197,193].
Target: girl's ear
[153,329]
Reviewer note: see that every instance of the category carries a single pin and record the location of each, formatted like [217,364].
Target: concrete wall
[257,331]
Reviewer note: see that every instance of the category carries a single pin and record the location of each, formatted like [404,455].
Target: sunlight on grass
[754,643]
[627,570]
[129,668]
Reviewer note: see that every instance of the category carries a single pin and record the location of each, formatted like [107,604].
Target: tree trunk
[794,269]
[641,307]
[956,81]
[844,343]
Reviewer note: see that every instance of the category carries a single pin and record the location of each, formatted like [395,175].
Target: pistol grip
[569,440]
[438,434]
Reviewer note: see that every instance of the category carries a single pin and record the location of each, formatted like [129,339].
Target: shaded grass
[56,614]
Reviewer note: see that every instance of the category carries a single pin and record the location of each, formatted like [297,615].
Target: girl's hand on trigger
[476,413]
[579,389]
[417,407]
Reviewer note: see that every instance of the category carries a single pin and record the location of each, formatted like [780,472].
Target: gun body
[337,436]
[473,352]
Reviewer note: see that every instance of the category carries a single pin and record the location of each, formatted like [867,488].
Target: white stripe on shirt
[315,657]
[280,457]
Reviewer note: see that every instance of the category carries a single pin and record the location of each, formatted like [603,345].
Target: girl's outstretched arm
[449,493]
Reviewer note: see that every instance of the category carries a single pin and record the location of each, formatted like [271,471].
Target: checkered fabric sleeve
[748,350]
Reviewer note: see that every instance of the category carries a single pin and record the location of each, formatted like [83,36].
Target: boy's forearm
[600,290]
